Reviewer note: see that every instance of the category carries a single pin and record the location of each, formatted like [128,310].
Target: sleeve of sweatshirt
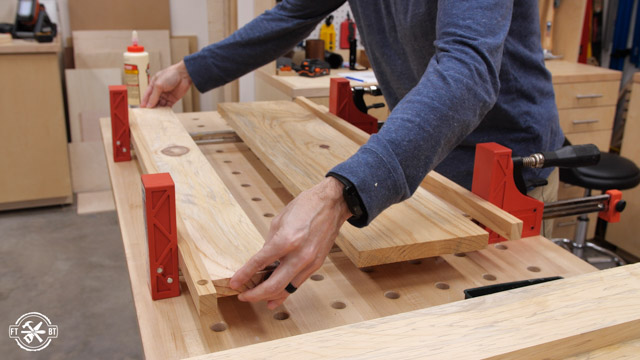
[262,40]
[458,88]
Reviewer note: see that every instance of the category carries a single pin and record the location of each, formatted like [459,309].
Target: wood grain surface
[173,329]
[478,208]
[214,227]
[552,320]
[300,149]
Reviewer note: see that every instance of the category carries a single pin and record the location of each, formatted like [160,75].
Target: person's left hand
[301,237]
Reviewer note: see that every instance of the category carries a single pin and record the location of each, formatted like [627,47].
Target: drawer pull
[586,121]
[567,223]
[588,96]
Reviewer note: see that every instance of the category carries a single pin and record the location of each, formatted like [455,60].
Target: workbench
[33,137]
[337,295]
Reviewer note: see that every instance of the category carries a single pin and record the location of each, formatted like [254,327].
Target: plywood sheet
[88,100]
[300,149]
[119,14]
[180,49]
[88,167]
[95,202]
[216,226]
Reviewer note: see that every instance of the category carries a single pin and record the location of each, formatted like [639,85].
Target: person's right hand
[167,86]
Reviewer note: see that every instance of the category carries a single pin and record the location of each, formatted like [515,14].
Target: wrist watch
[351,196]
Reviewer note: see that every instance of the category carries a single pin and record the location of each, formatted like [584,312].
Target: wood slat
[478,208]
[217,236]
[299,149]
[552,320]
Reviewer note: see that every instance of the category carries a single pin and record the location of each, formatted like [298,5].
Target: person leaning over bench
[454,73]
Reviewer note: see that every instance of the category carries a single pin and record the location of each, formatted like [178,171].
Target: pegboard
[339,16]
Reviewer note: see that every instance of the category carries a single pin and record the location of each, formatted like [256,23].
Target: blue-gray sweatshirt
[454,73]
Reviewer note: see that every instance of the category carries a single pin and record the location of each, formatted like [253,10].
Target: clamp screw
[170,280]
[124,149]
[118,142]
[159,270]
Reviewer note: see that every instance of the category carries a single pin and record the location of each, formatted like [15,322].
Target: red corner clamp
[120,133]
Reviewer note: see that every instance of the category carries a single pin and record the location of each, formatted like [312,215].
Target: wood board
[552,320]
[95,202]
[209,219]
[310,308]
[88,96]
[119,15]
[480,209]
[300,149]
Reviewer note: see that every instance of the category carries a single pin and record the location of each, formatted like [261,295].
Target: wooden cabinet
[33,142]
[586,97]
[626,233]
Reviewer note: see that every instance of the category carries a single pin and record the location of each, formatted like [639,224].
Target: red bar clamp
[616,205]
[120,123]
[493,181]
[341,104]
[162,235]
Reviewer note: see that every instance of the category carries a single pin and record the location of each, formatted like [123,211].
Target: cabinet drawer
[586,94]
[565,227]
[600,138]
[587,119]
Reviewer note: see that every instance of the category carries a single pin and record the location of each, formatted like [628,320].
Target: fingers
[152,96]
[266,256]
[145,98]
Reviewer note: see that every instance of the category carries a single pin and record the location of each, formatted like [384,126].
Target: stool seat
[612,172]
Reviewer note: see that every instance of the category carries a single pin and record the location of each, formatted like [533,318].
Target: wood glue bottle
[136,71]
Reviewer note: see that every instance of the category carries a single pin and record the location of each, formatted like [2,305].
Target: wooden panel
[172,329]
[299,149]
[567,29]
[570,72]
[119,15]
[182,46]
[33,141]
[88,91]
[587,119]
[21,46]
[552,320]
[625,233]
[88,167]
[600,138]
[209,218]
[95,202]
[495,218]
[222,16]
[586,94]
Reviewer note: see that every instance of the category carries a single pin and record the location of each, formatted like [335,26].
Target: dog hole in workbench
[219,327]
[415,262]
[256,199]
[317,277]
[236,172]
[392,295]
[227,161]
[501,247]
[202,282]
[219,150]
[367,269]
[200,125]
[281,315]
[489,277]
[338,305]
[245,185]
[267,215]
[533,269]
[460,254]
[442,286]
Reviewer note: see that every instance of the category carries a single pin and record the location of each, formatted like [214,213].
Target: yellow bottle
[328,34]
[136,71]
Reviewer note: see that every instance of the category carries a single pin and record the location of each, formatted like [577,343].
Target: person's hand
[167,86]
[301,237]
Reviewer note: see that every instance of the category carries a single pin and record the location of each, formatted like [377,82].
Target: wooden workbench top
[338,294]
[568,72]
[21,46]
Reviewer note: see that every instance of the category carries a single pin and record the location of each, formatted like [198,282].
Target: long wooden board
[299,149]
[478,208]
[552,320]
[217,236]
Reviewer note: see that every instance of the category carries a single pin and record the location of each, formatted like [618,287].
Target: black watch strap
[351,196]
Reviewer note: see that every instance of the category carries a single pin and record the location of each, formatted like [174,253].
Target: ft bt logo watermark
[33,331]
